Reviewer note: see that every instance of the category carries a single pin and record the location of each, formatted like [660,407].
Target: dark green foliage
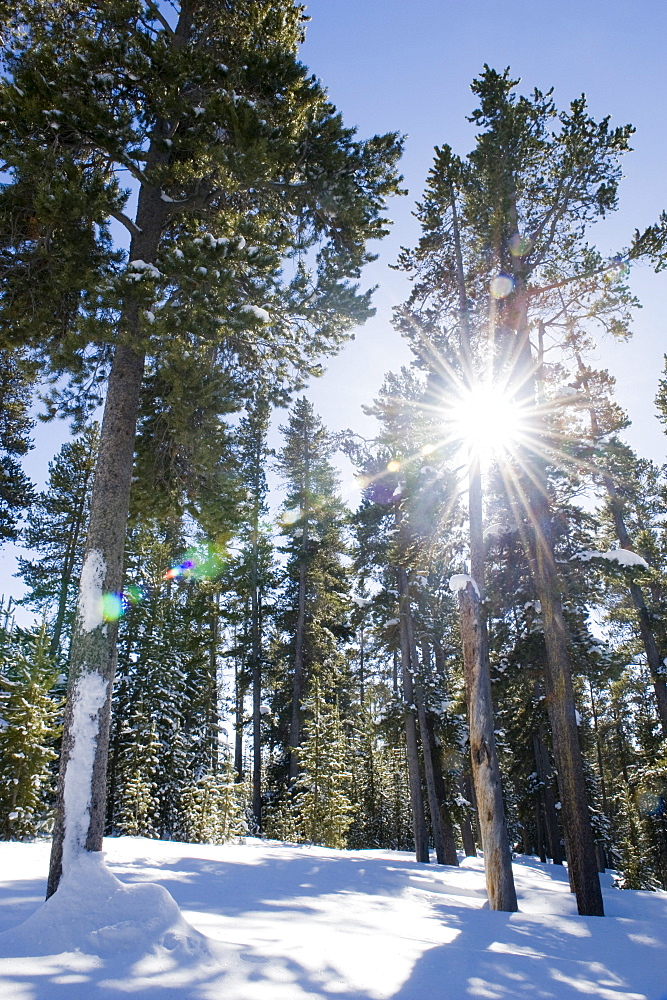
[17,377]
[56,526]
[29,710]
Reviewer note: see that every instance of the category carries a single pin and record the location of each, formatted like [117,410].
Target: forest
[472,660]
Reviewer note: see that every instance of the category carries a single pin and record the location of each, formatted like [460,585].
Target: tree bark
[449,840]
[93,652]
[485,770]
[551,821]
[414,776]
[299,639]
[582,864]
[582,860]
[429,770]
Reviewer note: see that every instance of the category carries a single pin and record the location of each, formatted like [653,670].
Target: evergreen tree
[314,618]
[322,806]
[17,376]
[511,219]
[28,731]
[56,526]
[240,164]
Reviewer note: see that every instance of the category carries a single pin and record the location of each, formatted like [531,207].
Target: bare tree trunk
[299,641]
[551,821]
[467,831]
[582,860]
[414,776]
[534,501]
[429,770]
[93,651]
[449,840]
[256,707]
[239,692]
[485,770]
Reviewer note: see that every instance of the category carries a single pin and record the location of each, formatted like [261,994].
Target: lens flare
[291,516]
[393,466]
[133,594]
[112,607]
[501,286]
[202,562]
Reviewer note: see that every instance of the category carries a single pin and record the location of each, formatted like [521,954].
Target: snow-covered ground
[269,921]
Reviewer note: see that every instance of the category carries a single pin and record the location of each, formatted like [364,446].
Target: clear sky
[407,66]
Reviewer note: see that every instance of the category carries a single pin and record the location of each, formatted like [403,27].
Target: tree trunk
[582,860]
[467,831]
[429,770]
[414,776]
[256,695]
[533,500]
[551,820]
[239,693]
[93,651]
[485,770]
[300,637]
[449,840]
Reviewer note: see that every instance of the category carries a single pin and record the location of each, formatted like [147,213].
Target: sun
[488,420]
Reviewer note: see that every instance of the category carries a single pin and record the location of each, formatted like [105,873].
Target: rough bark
[582,861]
[546,793]
[94,651]
[485,770]
[412,747]
[256,653]
[448,838]
[467,829]
[300,637]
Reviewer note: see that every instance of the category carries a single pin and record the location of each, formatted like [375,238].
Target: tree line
[472,659]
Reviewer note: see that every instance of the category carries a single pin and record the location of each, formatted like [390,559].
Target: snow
[93,572]
[624,557]
[460,581]
[141,267]
[361,602]
[271,921]
[258,312]
[89,697]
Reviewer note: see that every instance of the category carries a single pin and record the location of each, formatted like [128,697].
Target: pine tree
[511,218]
[240,164]
[322,806]
[17,377]
[56,526]
[315,605]
[28,731]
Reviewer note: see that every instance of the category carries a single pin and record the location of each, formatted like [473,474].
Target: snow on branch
[624,557]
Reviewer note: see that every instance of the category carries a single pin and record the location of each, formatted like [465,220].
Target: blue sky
[407,66]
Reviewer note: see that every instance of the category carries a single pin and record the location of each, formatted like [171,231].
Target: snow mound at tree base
[93,912]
